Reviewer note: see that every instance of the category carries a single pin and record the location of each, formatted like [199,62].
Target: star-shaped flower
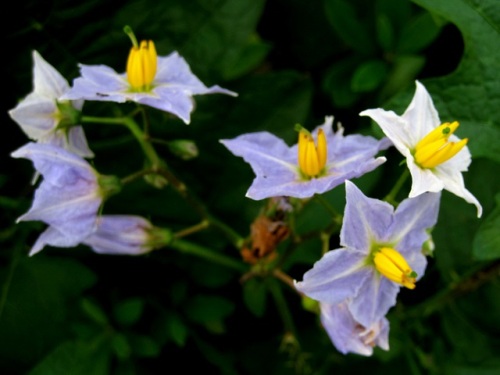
[381,250]
[165,83]
[113,234]
[306,168]
[46,118]
[347,335]
[435,157]
[70,193]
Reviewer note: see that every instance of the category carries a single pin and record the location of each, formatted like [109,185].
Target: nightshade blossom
[168,83]
[114,234]
[46,118]
[347,335]
[305,169]
[435,157]
[373,232]
[70,193]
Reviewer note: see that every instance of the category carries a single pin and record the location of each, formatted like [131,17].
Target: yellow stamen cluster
[141,65]
[311,156]
[392,264]
[435,149]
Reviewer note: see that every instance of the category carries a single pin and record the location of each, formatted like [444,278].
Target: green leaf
[369,75]
[351,29]
[246,58]
[486,245]
[129,311]
[144,346]
[176,329]
[385,32]
[209,310]
[418,34]
[37,300]
[94,311]
[121,346]
[255,295]
[76,358]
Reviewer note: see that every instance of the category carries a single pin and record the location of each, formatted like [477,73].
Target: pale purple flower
[349,336]
[46,118]
[113,234]
[349,273]
[406,131]
[68,196]
[276,167]
[171,90]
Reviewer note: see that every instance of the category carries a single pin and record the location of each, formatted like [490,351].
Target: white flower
[435,157]
[44,117]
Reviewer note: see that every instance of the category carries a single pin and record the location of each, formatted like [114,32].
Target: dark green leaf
[129,311]
[369,75]
[351,29]
[486,245]
[76,358]
[255,295]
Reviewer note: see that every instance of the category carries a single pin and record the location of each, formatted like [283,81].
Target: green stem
[193,229]
[207,254]
[159,167]
[136,131]
[391,197]
[136,175]
[282,306]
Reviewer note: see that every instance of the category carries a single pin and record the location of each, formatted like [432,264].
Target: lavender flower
[435,157]
[71,191]
[46,118]
[306,168]
[114,234]
[381,250]
[347,335]
[165,83]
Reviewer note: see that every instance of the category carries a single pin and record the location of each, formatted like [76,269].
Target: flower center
[435,148]
[311,156]
[393,265]
[141,66]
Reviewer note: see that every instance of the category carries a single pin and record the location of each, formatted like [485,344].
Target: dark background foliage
[70,311]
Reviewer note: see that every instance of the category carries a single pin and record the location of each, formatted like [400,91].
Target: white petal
[423,179]
[394,127]
[454,182]
[421,115]
[47,80]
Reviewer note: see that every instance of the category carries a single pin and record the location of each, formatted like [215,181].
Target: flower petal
[337,276]
[365,220]
[454,182]
[374,299]
[174,72]
[421,113]
[120,234]
[411,220]
[53,237]
[347,335]
[47,81]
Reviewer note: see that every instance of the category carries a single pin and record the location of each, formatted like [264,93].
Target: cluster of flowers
[72,191]
[382,247]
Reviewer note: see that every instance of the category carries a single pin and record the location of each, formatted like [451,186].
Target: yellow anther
[141,66]
[312,157]
[393,265]
[435,148]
